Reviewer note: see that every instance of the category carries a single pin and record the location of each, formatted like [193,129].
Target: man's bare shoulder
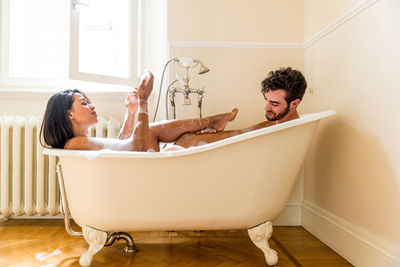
[265,124]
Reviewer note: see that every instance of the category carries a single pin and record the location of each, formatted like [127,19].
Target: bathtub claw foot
[96,240]
[260,235]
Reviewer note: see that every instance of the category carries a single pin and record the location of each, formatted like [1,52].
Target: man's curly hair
[292,81]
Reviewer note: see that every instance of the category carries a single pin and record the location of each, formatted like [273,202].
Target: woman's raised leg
[169,131]
[141,130]
[147,137]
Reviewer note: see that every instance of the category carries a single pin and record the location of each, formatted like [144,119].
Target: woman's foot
[146,86]
[218,122]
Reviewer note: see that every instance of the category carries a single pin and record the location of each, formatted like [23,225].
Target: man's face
[276,106]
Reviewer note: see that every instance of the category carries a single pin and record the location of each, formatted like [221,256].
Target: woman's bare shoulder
[81,143]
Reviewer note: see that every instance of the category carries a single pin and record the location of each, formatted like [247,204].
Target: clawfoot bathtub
[240,182]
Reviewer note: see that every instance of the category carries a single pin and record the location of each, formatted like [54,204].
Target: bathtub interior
[106,153]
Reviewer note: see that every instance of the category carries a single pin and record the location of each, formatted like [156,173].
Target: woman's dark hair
[56,127]
[287,79]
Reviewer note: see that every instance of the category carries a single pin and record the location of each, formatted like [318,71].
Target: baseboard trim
[33,217]
[358,246]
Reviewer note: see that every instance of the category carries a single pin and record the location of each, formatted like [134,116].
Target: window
[48,42]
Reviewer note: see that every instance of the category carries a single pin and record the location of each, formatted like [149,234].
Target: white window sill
[93,91]
[47,93]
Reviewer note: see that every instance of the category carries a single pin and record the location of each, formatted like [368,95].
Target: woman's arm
[141,131]
[96,143]
[138,141]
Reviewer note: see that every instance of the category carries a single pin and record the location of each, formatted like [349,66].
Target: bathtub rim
[106,153]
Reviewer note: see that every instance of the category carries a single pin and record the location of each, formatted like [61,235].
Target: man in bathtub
[282,89]
[69,114]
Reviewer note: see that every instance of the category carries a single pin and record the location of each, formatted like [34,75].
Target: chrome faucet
[181,85]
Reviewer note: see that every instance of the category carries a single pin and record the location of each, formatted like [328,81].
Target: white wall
[236,20]
[352,175]
[223,35]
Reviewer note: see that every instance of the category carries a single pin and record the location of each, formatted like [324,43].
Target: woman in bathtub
[69,114]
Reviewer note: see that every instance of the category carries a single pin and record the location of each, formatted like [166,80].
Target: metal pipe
[186,91]
[184,63]
[200,92]
[130,245]
[159,91]
[167,97]
[64,203]
[171,96]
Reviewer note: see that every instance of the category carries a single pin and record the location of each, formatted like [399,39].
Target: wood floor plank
[45,242]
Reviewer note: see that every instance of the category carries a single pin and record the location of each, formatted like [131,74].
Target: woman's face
[82,113]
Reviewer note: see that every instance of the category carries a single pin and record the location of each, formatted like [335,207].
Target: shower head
[203,69]
[187,62]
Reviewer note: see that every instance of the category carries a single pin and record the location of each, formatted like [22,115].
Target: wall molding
[354,11]
[358,246]
[357,9]
[212,44]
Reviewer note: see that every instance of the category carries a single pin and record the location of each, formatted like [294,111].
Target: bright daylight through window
[104,38]
[38,39]
[91,40]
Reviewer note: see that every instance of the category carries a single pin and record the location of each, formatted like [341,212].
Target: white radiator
[28,181]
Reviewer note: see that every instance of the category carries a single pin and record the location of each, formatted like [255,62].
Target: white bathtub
[240,182]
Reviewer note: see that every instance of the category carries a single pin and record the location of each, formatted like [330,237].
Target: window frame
[75,74]
[72,75]
[5,79]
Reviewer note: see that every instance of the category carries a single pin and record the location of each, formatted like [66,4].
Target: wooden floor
[45,243]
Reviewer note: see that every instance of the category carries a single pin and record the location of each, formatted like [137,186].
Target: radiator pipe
[64,203]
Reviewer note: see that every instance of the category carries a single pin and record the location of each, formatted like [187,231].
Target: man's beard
[278,116]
